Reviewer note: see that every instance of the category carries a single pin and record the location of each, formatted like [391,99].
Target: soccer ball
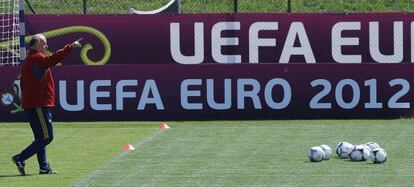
[365,146]
[316,154]
[327,150]
[343,149]
[360,153]
[6,99]
[378,156]
[372,145]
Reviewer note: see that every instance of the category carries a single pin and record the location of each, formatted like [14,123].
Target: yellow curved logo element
[86,47]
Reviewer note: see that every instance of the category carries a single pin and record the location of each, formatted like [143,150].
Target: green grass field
[211,153]
[208,6]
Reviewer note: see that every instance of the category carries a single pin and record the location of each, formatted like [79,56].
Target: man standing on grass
[38,98]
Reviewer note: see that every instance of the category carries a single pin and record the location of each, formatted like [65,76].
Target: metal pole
[84,6]
[179,6]
[289,6]
[22,33]
[235,6]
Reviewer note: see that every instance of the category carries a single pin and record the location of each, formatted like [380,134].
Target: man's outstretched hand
[77,43]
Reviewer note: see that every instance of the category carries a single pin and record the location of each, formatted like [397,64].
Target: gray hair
[35,39]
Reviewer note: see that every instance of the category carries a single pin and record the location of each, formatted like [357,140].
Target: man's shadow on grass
[14,175]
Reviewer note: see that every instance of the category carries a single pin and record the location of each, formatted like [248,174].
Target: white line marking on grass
[85,181]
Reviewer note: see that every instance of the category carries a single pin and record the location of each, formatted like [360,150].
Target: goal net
[10,35]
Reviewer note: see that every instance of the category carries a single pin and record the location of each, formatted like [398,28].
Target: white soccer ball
[360,153]
[372,145]
[378,156]
[327,151]
[343,149]
[365,146]
[316,154]
[6,99]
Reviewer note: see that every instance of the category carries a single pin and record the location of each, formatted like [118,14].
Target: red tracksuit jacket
[38,88]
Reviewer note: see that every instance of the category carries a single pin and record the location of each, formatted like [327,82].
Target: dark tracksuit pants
[40,120]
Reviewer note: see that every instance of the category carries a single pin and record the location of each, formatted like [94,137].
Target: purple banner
[232,38]
[217,91]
